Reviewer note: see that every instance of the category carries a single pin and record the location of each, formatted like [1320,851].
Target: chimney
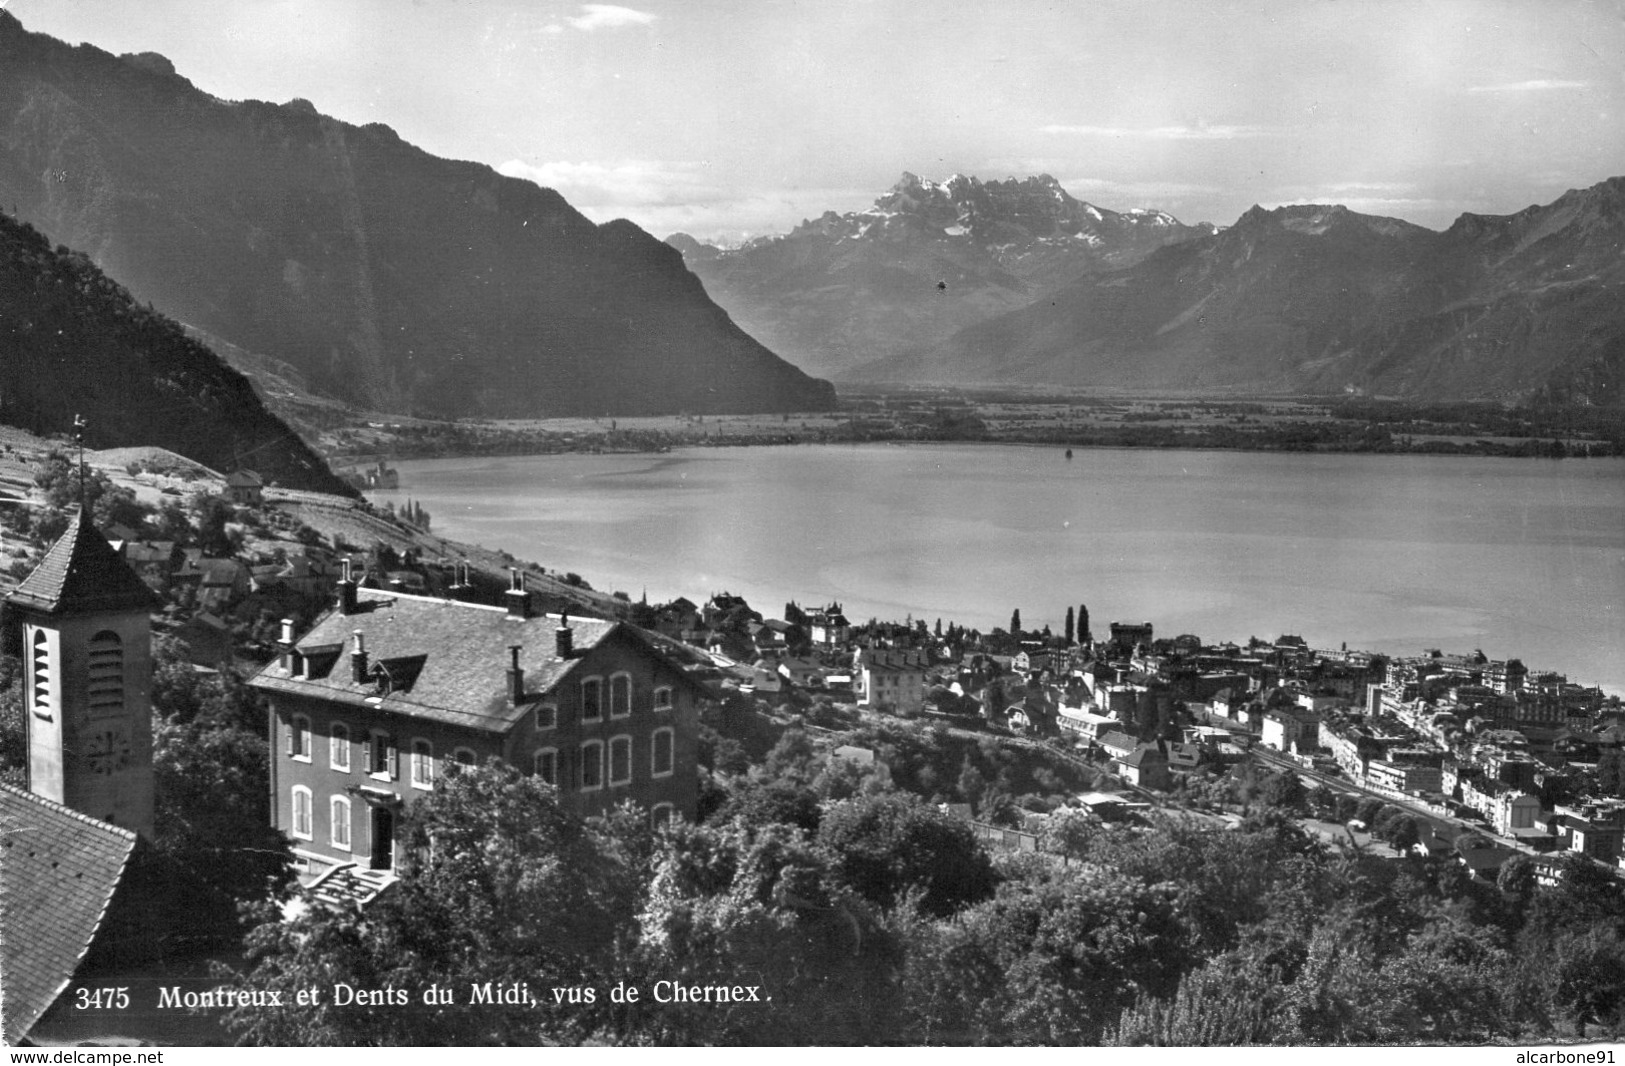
[564,637]
[346,590]
[284,646]
[516,676]
[358,658]
[518,597]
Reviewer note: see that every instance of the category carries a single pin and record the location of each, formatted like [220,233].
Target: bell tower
[87,646]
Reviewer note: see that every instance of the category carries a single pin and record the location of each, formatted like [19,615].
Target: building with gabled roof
[62,871]
[87,650]
[388,692]
[66,842]
[246,487]
[892,678]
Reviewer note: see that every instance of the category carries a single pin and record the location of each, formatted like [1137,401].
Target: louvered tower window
[106,690]
[42,673]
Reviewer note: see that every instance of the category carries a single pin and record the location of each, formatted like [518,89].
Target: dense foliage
[74,342]
[864,914]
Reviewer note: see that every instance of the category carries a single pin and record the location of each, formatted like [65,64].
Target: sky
[735,118]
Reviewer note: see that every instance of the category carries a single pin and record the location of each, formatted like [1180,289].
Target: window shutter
[291,728]
[366,752]
[394,758]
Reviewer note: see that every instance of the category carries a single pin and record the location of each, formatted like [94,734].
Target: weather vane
[79,438]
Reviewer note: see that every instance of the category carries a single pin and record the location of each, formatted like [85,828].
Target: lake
[1519,558]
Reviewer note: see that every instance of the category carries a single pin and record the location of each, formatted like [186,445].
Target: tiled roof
[61,869]
[1118,740]
[892,660]
[447,660]
[82,573]
[1145,753]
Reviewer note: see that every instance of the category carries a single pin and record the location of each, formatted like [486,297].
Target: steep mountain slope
[1323,300]
[387,276]
[927,259]
[73,342]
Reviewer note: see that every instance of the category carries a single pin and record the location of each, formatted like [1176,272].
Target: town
[356,689]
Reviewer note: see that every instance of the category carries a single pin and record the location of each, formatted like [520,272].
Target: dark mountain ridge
[73,342]
[928,258]
[1322,300]
[389,277]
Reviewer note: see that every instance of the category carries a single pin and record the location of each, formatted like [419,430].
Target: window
[660,759]
[620,695]
[105,692]
[592,699]
[547,716]
[592,765]
[339,822]
[546,765]
[620,760]
[301,812]
[422,764]
[663,698]
[42,674]
[380,755]
[299,738]
[661,815]
[338,747]
[465,757]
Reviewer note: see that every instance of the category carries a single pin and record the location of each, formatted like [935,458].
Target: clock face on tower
[108,751]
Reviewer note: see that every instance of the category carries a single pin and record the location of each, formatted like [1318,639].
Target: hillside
[75,343]
[387,277]
[1321,300]
[927,259]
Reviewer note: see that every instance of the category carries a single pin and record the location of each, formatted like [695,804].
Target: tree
[506,887]
[775,802]
[171,523]
[1074,949]
[1401,831]
[791,758]
[13,724]
[212,515]
[1083,624]
[1230,1002]
[1067,631]
[768,904]
[884,845]
[212,819]
[1015,623]
[1283,790]
[1517,880]
[1587,972]
[1069,832]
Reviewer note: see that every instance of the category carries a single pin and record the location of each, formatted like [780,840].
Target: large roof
[446,660]
[82,574]
[61,869]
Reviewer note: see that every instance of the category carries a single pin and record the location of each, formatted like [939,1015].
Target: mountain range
[1321,299]
[385,276]
[75,343]
[926,260]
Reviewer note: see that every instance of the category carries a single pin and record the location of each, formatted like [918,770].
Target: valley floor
[1013,416]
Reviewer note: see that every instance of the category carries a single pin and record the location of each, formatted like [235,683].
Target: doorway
[383,839]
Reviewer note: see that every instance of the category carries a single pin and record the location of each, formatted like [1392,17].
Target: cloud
[664,196]
[1539,85]
[1199,132]
[1119,195]
[630,183]
[608,17]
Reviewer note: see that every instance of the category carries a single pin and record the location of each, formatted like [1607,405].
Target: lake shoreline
[1390,557]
